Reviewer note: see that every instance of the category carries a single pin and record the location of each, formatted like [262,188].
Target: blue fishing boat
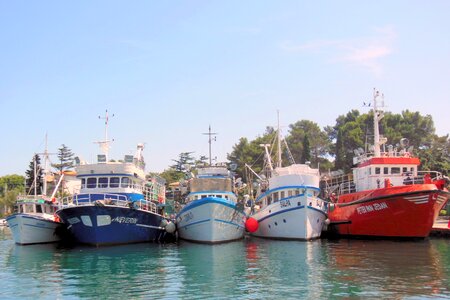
[116,204]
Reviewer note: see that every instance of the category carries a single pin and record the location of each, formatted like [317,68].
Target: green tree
[10,187]
[34,175]
[171,175]
[184,162]
[251,153]
[66,160]
[306,153]
[318,144]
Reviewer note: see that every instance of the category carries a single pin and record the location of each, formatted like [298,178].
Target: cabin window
[114,182]
[370,171]
[91,183]
[275,197]
[103,220]
[204,196]
[83,183]
[125,182]
[297,192]
[385,170]
[269,200]
[290,193]
[103,182]
[405,170]
[412,170]
[395,170]
[282,195]
[39,208]
[218,196]
[377,170]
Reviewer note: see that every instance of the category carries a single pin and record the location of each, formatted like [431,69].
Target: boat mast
[104,145]
[279,140]
[210,134]
[378,114]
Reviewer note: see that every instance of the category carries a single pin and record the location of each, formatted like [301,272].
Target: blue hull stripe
[228,222]
[195,223]
[204,201]
[216,220]
[288,210]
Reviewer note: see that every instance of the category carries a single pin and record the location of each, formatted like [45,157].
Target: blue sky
[169,69]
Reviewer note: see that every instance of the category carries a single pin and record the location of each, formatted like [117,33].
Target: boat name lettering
[285,203]
[124,220]
[371,207]
[188,216]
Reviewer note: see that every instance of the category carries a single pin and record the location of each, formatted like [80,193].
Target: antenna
[378,114]
[279,140]
[104,145]
[210,134]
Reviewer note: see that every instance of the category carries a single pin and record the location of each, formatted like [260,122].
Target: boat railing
[108,199]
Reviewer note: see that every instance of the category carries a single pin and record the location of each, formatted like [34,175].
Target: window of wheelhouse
[83,183]
[91,183]
[125,182]
[39,208]
[377,170]
[103,182]
[275,197]
[395,170]
[282,194]
[404,170]
[114,182]
[385,170]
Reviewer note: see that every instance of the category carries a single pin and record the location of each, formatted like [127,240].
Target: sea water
[247,269]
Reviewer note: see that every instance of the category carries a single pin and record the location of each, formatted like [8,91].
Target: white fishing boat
[211,213]
[287,205]
[34,221]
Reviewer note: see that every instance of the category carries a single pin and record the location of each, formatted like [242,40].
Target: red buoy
[251,225]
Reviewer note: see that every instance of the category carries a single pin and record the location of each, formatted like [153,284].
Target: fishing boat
[386,196]
[34,220]
[211,213]
[288,205]
[116,203]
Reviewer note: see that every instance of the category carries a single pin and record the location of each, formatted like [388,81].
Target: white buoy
[170,227]
[163,223]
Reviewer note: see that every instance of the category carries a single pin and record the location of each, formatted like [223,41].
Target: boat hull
[210,220]
[403,211]
[109,225]
[29,229]
[299,218]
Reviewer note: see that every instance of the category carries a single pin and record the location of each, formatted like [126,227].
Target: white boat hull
[30,229]
[210,220]
[296,219]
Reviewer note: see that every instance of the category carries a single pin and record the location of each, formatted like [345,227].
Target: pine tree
[35,169]
[65,157]
[306,153]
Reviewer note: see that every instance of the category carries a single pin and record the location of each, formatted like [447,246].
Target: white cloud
[364,52]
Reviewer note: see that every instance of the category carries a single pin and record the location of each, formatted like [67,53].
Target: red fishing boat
[386,196]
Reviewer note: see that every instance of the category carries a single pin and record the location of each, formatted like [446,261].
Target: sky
[167,70]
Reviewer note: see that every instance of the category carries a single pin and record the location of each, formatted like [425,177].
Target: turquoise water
[247,269]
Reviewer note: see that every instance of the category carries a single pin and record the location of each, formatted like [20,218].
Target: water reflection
[248,269]
[386,269]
